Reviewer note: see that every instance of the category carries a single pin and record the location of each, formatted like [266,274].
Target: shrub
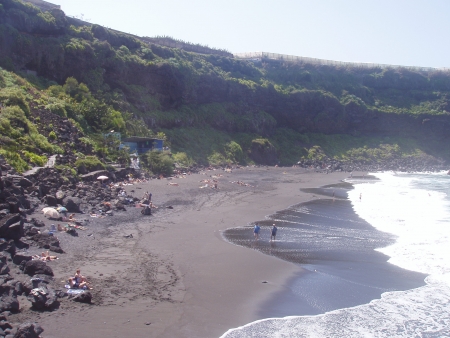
[217,158]
[234,152]
[14,160]
[34,158]
[158,163]
[52,135]
[14,97]
[57,106]
[183,159]
[65,168]
[91,163]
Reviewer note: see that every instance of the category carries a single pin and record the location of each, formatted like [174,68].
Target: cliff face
[159,83]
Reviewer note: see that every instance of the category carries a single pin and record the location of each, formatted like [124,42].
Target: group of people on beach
[210,183]
[242,183]
[78,281]
[257,230]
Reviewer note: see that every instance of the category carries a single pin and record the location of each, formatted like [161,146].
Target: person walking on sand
[274,232]
[256,230]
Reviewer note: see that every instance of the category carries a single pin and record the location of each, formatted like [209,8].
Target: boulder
[43,190]
[83,297]
[4,325]
[20,257]
[8,299]
[28,330]
[35,282]
[60,195]
[24,183]
[45,240]
[37,223]
[56,249]
[30,230]
[34,267]
[8,246]
[14,231]
[72,204]
[43,298]
[4,269]
[19,288]
[51,200]
[263,152]
[82,170]
[8,220]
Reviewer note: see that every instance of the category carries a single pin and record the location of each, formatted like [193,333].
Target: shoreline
[336,250]
[196,283]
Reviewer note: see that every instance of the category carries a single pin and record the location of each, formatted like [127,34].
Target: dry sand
[177,276]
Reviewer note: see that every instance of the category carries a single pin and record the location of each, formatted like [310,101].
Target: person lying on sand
[72,218]
[45,256]
[173,183]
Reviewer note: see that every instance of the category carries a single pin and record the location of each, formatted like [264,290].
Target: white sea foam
[416,209]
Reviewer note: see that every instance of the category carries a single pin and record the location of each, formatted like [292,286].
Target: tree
[158,163]
[234,152]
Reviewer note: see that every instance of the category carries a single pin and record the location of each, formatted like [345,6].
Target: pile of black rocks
[20,196]
[423,163]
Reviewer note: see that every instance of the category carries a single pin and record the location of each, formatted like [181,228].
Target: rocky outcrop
[411,164]
[263,152]
[43,298]
[28,330]
[34,267]
[8,298]
[83,297]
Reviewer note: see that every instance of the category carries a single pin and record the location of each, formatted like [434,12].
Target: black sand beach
[178,277]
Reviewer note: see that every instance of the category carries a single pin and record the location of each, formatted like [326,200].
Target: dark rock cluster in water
[407,164]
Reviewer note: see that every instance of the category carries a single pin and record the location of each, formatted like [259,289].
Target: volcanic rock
[83,297]
[43,298]
[34,267]
[28,330]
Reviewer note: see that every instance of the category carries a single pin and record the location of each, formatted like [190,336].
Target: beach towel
[75,291]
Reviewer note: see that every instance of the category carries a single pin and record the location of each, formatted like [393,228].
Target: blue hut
[142,144]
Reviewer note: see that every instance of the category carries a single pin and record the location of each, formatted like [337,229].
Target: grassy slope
[122,82]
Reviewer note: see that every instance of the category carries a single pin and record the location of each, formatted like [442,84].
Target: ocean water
[413,210]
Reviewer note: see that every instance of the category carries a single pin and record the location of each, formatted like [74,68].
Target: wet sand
[177,276]
[337,251]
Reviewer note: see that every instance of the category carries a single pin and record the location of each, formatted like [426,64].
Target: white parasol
[51,213]
[47,208]
[102,177]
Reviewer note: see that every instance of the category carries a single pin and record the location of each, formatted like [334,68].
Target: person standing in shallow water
[256,230]
[274,232]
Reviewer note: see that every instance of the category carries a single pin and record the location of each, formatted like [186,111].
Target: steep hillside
[214,108]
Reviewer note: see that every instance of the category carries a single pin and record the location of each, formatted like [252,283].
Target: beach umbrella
[51,213]
[102,177]
[46,209]
[61,209]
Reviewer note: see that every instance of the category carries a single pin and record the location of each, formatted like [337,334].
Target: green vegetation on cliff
[211,108]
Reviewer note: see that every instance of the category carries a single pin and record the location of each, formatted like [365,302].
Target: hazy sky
[398,32]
